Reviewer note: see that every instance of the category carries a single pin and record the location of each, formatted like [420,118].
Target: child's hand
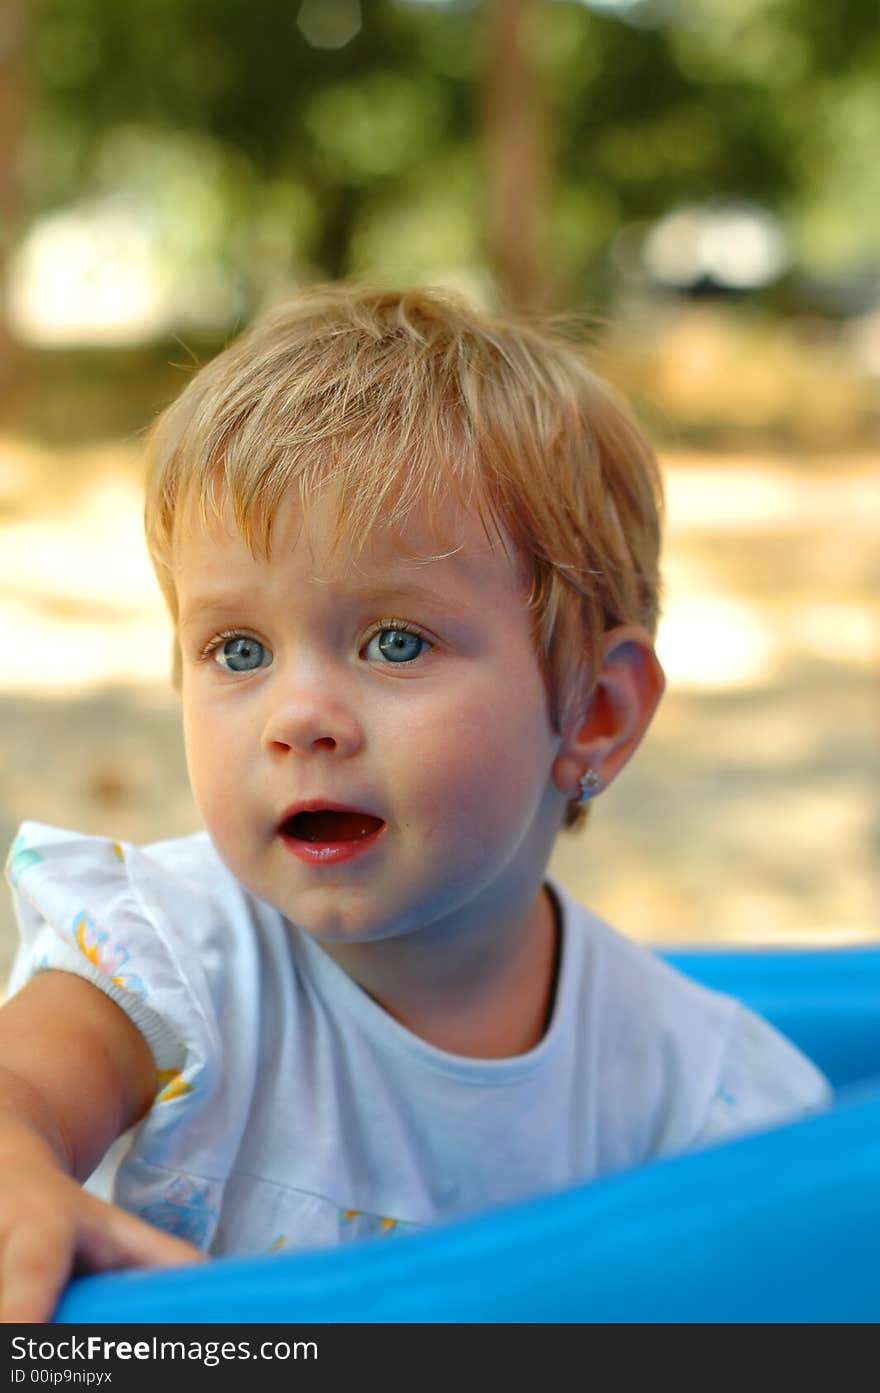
[75,1075]
[50,1227]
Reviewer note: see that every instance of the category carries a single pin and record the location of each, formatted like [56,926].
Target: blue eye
[396,645]
[242,654]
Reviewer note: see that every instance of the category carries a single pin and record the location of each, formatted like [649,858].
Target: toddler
[411,557]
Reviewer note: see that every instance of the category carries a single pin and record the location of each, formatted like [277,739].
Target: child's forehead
[428,546]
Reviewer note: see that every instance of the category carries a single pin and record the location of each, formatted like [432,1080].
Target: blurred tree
[353,150]
[13,96]
[516,154]
[349,131]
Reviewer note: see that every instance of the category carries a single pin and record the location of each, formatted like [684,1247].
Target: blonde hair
[400,399]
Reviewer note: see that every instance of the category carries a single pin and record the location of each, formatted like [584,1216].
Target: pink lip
[316,805]
[326,853]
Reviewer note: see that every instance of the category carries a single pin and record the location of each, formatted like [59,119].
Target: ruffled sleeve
[77,913]
[81,909]
[764,1081]
[151,939]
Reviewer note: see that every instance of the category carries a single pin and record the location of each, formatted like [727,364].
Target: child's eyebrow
[391,593]
[210,603]
[404,590]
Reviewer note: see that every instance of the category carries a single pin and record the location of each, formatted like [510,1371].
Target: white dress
[294,1112]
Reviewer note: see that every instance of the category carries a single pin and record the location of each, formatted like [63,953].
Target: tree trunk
[516,155]
[12,108]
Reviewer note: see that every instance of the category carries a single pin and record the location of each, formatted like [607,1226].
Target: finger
[109,1238]
[36,1264]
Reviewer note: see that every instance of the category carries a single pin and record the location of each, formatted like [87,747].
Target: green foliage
[264,155]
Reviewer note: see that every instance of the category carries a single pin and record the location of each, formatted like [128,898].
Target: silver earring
[589,784]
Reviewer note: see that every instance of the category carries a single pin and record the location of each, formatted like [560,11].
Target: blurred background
[696,182]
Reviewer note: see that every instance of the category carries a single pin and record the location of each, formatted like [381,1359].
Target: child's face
[301,686]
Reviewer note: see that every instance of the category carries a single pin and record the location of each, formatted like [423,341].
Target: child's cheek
[481,770]
[219,785]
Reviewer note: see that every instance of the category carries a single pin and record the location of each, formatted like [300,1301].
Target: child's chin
[330,920]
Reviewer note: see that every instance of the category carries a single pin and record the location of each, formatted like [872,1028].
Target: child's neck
[487,995]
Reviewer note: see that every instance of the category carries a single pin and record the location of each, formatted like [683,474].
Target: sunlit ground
[751,811]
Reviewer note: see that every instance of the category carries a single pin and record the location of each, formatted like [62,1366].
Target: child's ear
[601,737]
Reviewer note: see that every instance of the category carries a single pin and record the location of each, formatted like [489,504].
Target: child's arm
[74,1074]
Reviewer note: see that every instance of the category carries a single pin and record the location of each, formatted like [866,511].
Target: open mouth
[326,826]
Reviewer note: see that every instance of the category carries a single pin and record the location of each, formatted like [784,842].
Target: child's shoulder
[42,849]
[67,879]
[626,975]
[160,928]
[727,1068]
[39,844]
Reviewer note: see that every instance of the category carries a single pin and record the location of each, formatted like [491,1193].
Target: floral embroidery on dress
[172,1084]
[186,1211]
[359,1224]
[109,958]
[21,858]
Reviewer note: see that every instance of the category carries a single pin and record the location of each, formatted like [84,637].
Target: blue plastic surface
[779,1226]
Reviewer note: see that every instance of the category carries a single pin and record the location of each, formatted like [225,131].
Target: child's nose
[306,722]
